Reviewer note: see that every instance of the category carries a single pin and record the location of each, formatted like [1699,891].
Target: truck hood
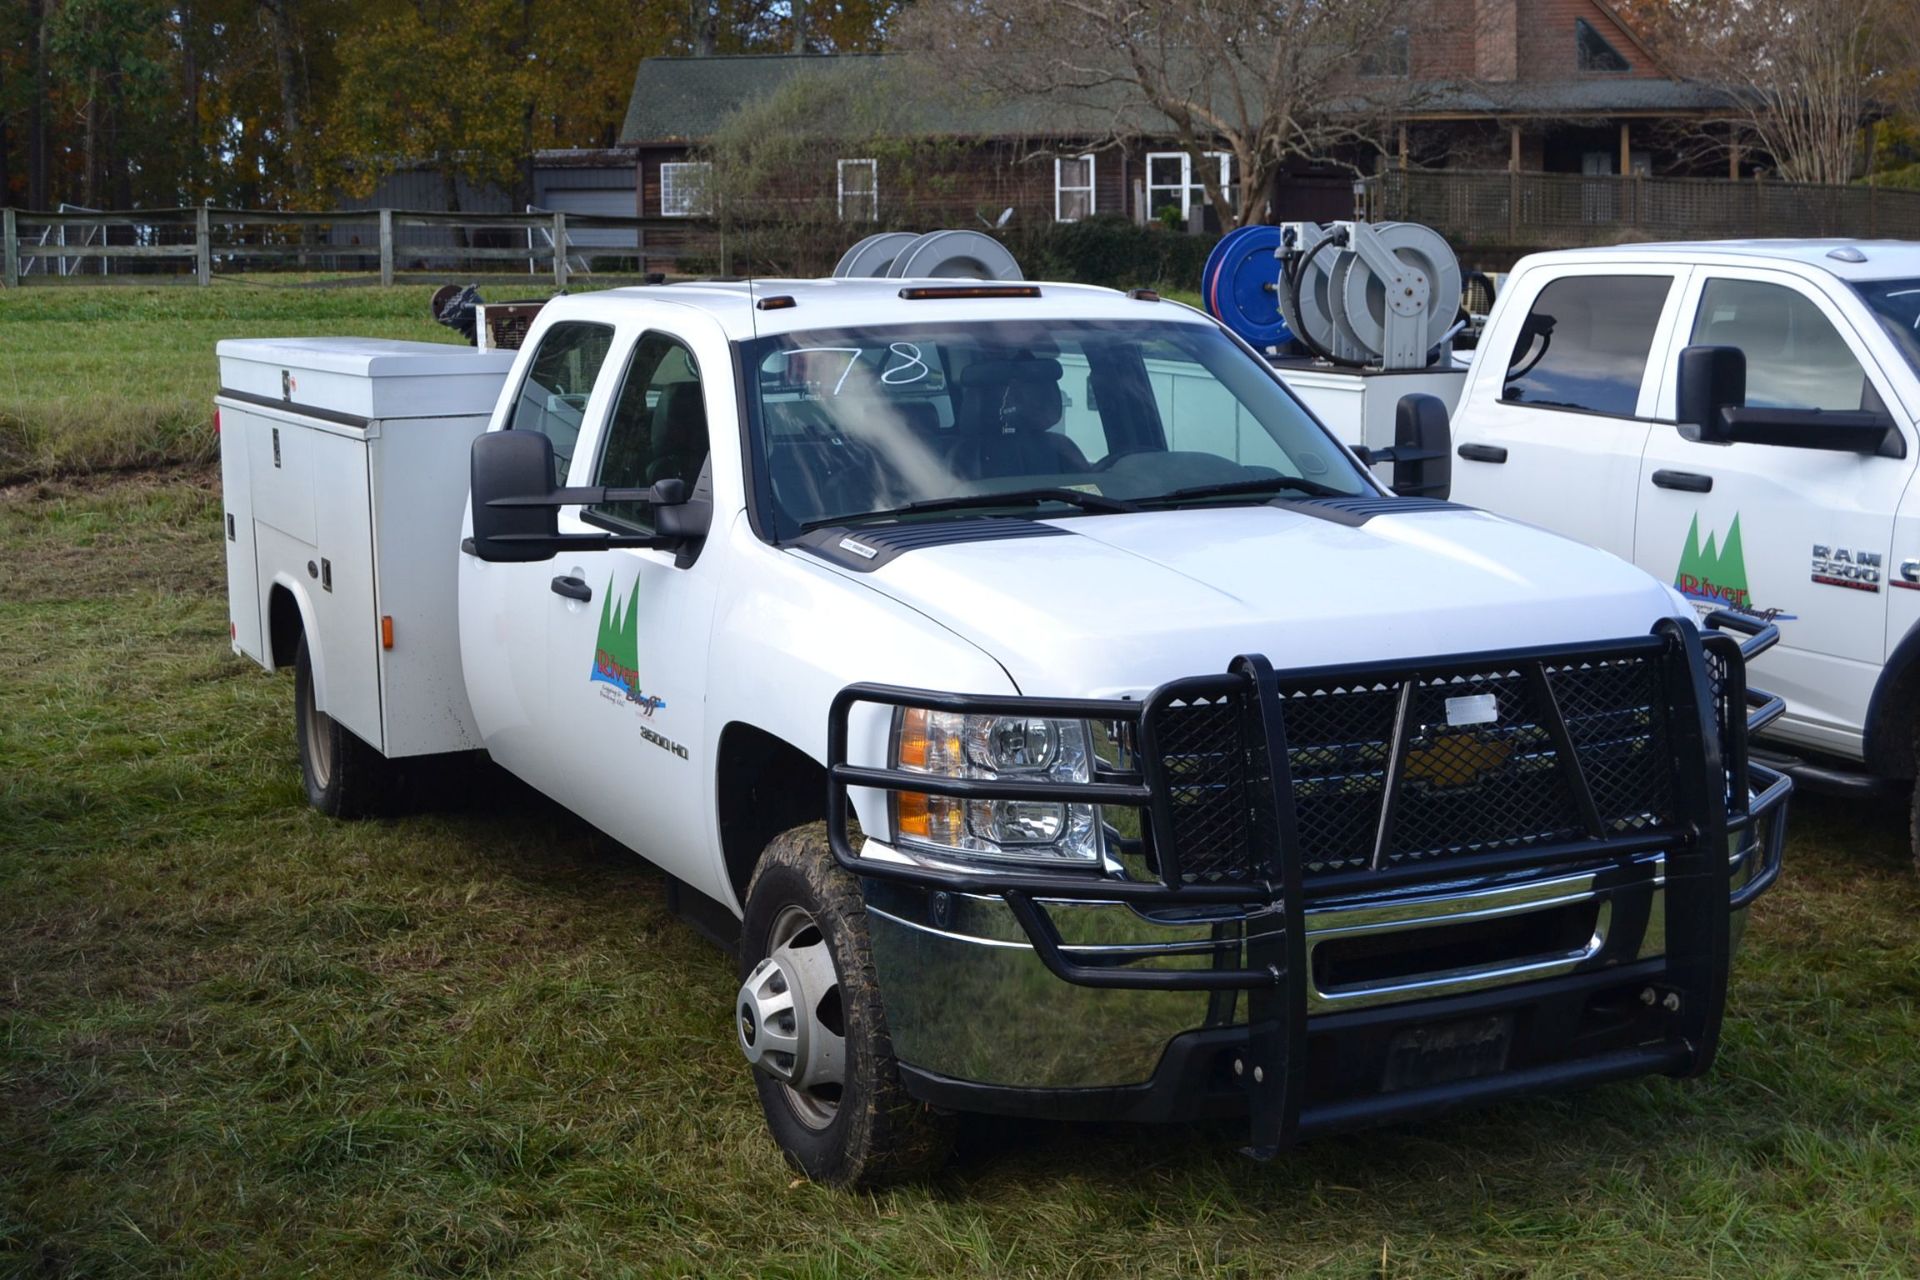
[1121,603]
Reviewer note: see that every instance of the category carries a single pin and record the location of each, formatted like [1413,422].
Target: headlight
[961,746]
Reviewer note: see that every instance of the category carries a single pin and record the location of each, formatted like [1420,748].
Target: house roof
[684,100]
[1580,95]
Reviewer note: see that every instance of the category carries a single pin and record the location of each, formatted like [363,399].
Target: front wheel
[809,1019]
[1913,827]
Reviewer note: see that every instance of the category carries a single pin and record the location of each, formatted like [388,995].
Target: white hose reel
[1381,294]
[944,255]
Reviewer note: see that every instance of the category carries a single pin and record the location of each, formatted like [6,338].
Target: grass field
[239,1039]
[96,377]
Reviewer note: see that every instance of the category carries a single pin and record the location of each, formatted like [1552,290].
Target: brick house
[1556,86]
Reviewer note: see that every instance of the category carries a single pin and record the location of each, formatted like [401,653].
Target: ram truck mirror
[1840,430]
[1710,404]
[1709,381]
[516,508]
[1422,448]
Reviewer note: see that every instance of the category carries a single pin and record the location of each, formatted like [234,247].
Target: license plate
[1444,1051]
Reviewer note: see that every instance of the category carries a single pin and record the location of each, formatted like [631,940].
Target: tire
[344,777]
[867,1131]
[1913,827]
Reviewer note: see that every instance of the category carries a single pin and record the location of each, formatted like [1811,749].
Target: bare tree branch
[1264,80]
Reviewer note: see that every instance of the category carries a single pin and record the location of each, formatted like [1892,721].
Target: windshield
[977,415]
[1896,303]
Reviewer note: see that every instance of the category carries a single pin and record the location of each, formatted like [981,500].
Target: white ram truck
[1054,716]
[1738,419]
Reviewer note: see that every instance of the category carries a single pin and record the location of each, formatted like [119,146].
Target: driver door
[504,607]
[627,666]
[1797,536]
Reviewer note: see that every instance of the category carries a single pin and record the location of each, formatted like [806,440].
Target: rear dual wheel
[345,778]
[810,1020]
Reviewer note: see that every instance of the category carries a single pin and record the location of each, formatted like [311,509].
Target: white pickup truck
[1737,419]
[1056,718]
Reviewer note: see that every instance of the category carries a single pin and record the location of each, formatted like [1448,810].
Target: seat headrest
[1032,406]
[679,419]
[998,373]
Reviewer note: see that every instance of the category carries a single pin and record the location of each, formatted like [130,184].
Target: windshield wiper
[1257,485]
[1093,502]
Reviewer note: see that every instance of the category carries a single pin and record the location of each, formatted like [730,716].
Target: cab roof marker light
[778,302]
[918,293]
[1143,295]
[1846,253]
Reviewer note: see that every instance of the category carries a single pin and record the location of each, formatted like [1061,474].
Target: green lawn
[239,1039]
[98,377]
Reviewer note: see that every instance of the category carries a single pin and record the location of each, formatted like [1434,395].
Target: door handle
[572,588]
[1483,452]
[1688,481]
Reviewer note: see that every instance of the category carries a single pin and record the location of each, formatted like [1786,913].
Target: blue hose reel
[1240,285]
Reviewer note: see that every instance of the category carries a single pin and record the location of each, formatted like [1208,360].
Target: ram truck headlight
[952,745]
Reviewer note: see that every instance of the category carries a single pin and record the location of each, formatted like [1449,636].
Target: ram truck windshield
[1065,416]
[1896,304]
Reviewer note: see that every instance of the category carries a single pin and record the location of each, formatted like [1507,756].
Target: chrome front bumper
[968,998]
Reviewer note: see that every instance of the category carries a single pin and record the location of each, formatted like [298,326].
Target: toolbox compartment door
[236,519]
[342,594]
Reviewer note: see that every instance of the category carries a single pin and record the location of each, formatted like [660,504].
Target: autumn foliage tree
[155,103]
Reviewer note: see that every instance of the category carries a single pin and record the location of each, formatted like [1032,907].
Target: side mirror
[1711,405]
[1422,448]
[1840,430]
[516,509]
[512,465]
[1709,381]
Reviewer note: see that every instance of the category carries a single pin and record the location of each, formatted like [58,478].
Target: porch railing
[1552,210]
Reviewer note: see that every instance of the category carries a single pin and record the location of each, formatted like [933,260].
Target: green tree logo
[616,655]
[1715,576]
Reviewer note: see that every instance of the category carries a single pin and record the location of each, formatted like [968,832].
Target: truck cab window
[1796,359]
[1584,344]
[553,399]
[657,429]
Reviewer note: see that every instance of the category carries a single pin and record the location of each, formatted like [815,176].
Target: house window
[1172,181]
[859,190]
[684,190]
[1593,52]
[1390,59]
[1072,188]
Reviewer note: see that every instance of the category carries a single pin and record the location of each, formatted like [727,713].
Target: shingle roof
[1577,96]
[685,100]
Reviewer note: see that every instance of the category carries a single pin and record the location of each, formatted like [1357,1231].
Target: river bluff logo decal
[1718,577]
[616,656]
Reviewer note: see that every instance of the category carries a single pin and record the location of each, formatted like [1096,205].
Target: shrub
[1110,250]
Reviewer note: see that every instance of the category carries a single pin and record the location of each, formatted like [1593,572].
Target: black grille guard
[1714,794]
